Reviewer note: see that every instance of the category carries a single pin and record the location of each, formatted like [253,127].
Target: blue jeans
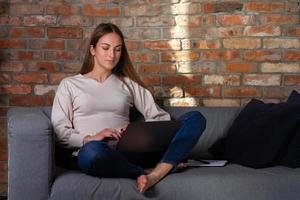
[97,159]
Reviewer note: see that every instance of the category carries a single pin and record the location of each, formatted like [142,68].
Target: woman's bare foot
[146,181]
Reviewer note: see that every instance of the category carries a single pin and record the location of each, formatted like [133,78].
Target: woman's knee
[196,117]
[90,153]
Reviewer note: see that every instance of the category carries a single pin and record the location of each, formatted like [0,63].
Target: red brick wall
[191,52]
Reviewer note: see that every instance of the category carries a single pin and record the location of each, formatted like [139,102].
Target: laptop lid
[148,136]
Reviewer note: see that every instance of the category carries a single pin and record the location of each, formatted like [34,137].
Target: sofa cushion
[291,156]
[260,134]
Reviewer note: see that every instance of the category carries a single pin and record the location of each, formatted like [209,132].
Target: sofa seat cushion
[233,182]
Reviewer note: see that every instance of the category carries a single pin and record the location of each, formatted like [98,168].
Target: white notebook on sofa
[206,163]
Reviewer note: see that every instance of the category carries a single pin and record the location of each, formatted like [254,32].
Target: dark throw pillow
[291,155]
[260,134]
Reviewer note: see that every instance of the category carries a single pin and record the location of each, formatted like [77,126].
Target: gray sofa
[34,176]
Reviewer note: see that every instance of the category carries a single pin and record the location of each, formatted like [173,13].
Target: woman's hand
[105,134]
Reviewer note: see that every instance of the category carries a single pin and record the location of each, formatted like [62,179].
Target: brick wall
[190,52]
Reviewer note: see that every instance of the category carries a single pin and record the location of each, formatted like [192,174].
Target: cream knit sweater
[82,106]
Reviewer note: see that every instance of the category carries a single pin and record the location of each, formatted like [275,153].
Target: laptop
[148,136]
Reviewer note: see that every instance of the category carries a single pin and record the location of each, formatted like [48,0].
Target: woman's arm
[145,103]
[62,117]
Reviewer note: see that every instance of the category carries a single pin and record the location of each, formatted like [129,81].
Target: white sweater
[82,106]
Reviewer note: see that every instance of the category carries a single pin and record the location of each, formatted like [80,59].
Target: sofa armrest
[31,154]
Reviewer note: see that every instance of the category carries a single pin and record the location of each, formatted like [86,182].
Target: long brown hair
[124,68]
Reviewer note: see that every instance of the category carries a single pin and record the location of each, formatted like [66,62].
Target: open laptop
[148,136]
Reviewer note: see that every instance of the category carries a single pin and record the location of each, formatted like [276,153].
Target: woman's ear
[92,50]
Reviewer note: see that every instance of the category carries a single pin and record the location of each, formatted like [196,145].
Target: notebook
[148,136]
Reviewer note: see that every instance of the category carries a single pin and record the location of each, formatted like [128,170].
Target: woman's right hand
[105,134]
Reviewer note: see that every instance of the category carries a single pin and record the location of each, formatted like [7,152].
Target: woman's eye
[105,48]
[118,49]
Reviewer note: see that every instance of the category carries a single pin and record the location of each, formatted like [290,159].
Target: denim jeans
[97,159]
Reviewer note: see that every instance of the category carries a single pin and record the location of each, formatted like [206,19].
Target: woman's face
[107,51]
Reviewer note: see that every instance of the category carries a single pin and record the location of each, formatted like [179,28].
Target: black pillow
[291,155]
[259,135]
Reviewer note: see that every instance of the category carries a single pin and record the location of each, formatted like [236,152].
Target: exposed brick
[11,66]
[155,21]
[143,33]
[182,9]
[44,89]
[72,66]
[221,102]
[182,32]
[4,32]
[15,89]
[291,80]
[3,156]
[194,21]
[262,31]
[273,92]
[157,69]
[232,20]
[280,67]
[264,7]
[27,100]
[11,20]
[101,11]
[292,56]
[262,55]
[62,55]
[223,32]
[31,78]
[272,43]
[75,20]
[231,55]
[4,78]
[262,79]
[211,55]
[167,92]
[222,7]
[25,9]
[187,101]
[142,10]
[279,19]
[241,92]
[132,45]
[12,44]
[291,31]
[58,32]
[203,91]
[203,67]
[145,57]
[207,44]
[62,10]
[55,78]
[222,80]
[39,20]
[42,66]
[242,43]
[26,55]
[77,44]
[181,80]
[163,45]
[120,22]
[27,32]
[47,44]
[151,80]
[241,67]
[292,7]
[179,56]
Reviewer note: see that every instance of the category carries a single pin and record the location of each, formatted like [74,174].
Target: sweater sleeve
[145,103]
[62,117]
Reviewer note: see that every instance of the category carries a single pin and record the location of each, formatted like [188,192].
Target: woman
[91,109]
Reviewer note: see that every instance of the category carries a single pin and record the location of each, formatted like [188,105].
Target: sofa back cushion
[218,121]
